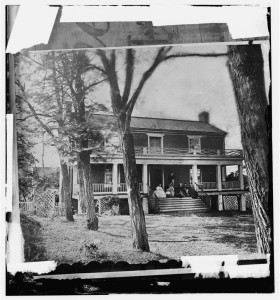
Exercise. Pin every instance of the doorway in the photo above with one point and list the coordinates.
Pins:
(155, 177)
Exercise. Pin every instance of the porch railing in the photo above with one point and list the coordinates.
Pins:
(108, 187)
(205, 197)
(188, 152)
(209, 185)
(122, 187)
(26, 206)
(230, 184)
(102, 187)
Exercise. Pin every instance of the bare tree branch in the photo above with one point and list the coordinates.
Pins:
(36, 116)
(32, 116)
(93, 67)
(129, 74)
(109, 66)
(146, 75)
(94, 84)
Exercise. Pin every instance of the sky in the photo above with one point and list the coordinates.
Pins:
(179, 89)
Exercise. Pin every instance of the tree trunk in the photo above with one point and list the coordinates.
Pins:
(66, 191)
(83, 200)
(138, 223)
(84, 160)
(246, 70)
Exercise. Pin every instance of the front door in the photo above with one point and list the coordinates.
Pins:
(155, 177)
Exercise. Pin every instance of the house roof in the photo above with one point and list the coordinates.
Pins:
(162, 125)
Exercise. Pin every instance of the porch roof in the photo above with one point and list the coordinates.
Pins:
(161, 125)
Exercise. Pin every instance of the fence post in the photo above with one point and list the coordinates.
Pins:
(99, 207)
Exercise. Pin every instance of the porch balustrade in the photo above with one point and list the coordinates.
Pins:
(226, 185)
(102, 187)
(188, 152)
(26, 206)
(209, 185)
(122, 187)
(230, 184)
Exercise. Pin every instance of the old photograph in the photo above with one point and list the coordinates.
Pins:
(137, 154)
(139, 151)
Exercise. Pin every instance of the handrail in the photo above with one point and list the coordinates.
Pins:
(156, 206)
(154, 151)
(207, 196)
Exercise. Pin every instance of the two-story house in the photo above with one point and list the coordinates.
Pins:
(194, 151)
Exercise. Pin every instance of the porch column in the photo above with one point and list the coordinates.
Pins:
(194, 176)
(220, 202)
(219, 178)
(242, 202)
(115, 178)
(241, 179)
(145, 178)
(219, 186)
(79, 206)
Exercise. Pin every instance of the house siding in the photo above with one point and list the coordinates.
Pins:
(208, 173)
(140, 139)
(179, 141)
(212, 143)
(175, 141)
(98, 173)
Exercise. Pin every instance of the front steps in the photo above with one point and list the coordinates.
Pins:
(186, 204)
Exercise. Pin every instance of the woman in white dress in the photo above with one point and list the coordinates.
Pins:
(159, 192)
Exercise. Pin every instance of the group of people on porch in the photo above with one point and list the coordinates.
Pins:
(180, 191)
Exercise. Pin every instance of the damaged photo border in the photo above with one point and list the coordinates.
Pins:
(222, 273)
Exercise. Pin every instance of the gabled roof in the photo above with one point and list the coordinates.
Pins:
(162, 125)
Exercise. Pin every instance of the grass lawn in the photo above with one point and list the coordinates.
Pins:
(170, 237)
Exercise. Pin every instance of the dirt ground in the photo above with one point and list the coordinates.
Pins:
(170, 237)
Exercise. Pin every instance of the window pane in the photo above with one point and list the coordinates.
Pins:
(194, 144)
(155, 142)
(108, 176)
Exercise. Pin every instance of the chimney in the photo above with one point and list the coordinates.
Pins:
(204, 117)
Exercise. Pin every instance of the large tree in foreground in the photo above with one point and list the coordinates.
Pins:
(61, 102)
(122, 106)
(76, 73)
(246, 68)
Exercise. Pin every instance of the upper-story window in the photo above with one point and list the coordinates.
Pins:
(108, 176)
(155, 143)
(194, 143)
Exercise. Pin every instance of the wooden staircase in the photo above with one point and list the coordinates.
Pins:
(187, 204)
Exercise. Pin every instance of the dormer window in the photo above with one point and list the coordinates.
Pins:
(194, 143)
(155, 143)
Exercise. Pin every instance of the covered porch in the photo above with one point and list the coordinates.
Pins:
(110, 179)
(202, 177)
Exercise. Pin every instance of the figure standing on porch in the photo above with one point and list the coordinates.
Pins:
(171, 189)
(171, 179)
(186, 189)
